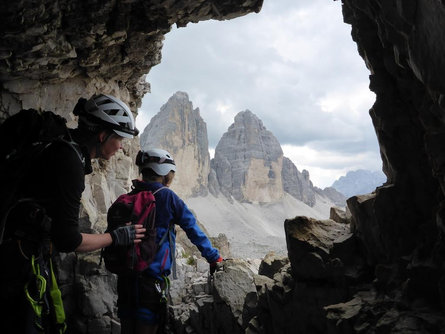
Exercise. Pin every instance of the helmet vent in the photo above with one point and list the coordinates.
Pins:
(113, 112)
(103, 101)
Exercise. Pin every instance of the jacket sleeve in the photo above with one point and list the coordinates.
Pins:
(187, 222)
(67, 187)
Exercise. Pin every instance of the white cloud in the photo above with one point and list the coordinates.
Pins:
(326, 166)
(294, 65)
(212, 153)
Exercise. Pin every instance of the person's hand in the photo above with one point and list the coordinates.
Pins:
(215, 265)
(127, 235)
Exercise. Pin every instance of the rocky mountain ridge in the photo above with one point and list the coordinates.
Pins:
(180, 129)
(248, 165)
(359, 182)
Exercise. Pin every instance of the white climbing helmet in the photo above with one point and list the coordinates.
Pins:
(110, 112)
(160, 161)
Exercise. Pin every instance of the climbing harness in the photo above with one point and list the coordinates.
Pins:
(38, 302)
(44, 296)
(163, 292)
(56, 297)
(41, 282)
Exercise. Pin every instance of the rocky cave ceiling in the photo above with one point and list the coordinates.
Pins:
(50, 42)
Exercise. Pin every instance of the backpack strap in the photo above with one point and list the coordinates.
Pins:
(169, 226)
(166, 235)
(155, 192)
(75, 146)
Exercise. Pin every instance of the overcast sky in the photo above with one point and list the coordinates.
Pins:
(294, 65)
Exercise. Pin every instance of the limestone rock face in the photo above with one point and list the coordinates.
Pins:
(249, 166)
(248, 161)
(223, 303)
(179, 129)
(309, 244)
(335, 196)
(297, 184)
(401, 225)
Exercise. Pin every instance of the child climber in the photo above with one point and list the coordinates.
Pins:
(141, 297)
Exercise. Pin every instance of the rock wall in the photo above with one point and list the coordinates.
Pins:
(297, 184)
(402, 224)
(324, 285)
(179, 129)
(248, 161)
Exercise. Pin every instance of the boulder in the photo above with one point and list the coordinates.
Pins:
(309, 243)
(339, 215)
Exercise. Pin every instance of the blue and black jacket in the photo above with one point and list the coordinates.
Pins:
(170, 209)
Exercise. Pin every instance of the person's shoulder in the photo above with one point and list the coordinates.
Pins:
(167, 192)
(66, 152)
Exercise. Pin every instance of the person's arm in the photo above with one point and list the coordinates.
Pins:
(187, 222)
(122, 236)
(92, 242)
(67, 184)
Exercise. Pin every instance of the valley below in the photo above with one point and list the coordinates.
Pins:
(253, 229)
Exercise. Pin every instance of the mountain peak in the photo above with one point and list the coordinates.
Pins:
(248, 118)
(248, 165)
(359, 181)
(180, 96)
(248, 161)
(179, 129)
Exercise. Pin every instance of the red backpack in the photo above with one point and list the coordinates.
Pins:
(135, 208)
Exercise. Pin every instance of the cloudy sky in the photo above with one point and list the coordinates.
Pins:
(294, 65)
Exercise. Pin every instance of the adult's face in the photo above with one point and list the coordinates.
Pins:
(110, 144)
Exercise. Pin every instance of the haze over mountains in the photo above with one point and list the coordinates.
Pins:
(248, 189)
(359, 182)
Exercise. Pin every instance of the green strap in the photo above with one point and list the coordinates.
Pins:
(164, 292)
(36, 302)
(56, 297)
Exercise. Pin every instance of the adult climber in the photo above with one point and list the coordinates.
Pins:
(55, 185)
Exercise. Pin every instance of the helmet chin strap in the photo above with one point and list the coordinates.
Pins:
(99, 144)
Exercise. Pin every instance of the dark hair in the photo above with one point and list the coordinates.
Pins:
(86, 132)
(79, 108)
(85, 126)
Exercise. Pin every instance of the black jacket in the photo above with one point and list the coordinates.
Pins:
(57, 182)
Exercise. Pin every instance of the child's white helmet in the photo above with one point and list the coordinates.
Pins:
(159, 160)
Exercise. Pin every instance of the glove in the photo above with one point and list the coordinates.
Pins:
(214, 265)
(123, 236)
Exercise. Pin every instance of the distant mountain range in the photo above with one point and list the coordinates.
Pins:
(359, 182)
(248, 189)
(248, 165)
